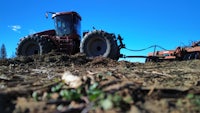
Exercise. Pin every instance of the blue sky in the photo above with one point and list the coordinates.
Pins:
(142, 23)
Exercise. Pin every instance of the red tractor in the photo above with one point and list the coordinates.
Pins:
(66, 38)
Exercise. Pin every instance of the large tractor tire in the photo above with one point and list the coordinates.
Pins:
(34, 45)
(100, 43)
(46, 45)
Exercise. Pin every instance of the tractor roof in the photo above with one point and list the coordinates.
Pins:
(66, 13)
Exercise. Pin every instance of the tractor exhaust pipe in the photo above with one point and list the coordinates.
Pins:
(47, 14)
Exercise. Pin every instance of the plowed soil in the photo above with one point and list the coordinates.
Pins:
(28, 85)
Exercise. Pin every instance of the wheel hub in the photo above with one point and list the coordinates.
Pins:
(97, 46)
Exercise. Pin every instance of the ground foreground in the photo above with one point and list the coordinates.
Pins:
(63, 84)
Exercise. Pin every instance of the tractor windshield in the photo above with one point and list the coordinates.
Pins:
(67, 24)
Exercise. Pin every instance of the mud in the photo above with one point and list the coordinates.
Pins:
(164, 87)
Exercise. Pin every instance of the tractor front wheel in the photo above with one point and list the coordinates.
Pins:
(100, 43)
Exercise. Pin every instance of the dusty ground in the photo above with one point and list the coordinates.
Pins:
(35, 85)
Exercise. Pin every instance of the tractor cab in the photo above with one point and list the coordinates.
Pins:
(67, 23)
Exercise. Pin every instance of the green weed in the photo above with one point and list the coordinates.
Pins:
(191, 102)
(93, 93)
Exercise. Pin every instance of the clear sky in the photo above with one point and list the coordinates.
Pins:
(142, 23)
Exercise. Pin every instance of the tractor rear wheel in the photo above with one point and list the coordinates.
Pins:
(34, 45)
(100, 43)
(29, 46)
(46, 45)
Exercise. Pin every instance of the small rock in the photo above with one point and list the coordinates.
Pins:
(134, 109)
(71, 80)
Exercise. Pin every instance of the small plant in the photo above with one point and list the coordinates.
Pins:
(57, 87)
(35, 96)
(110, 101)
(93, 93)
(71, 94)
(191, 101)
(195, 100)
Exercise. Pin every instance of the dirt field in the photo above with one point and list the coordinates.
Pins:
(62, 84)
